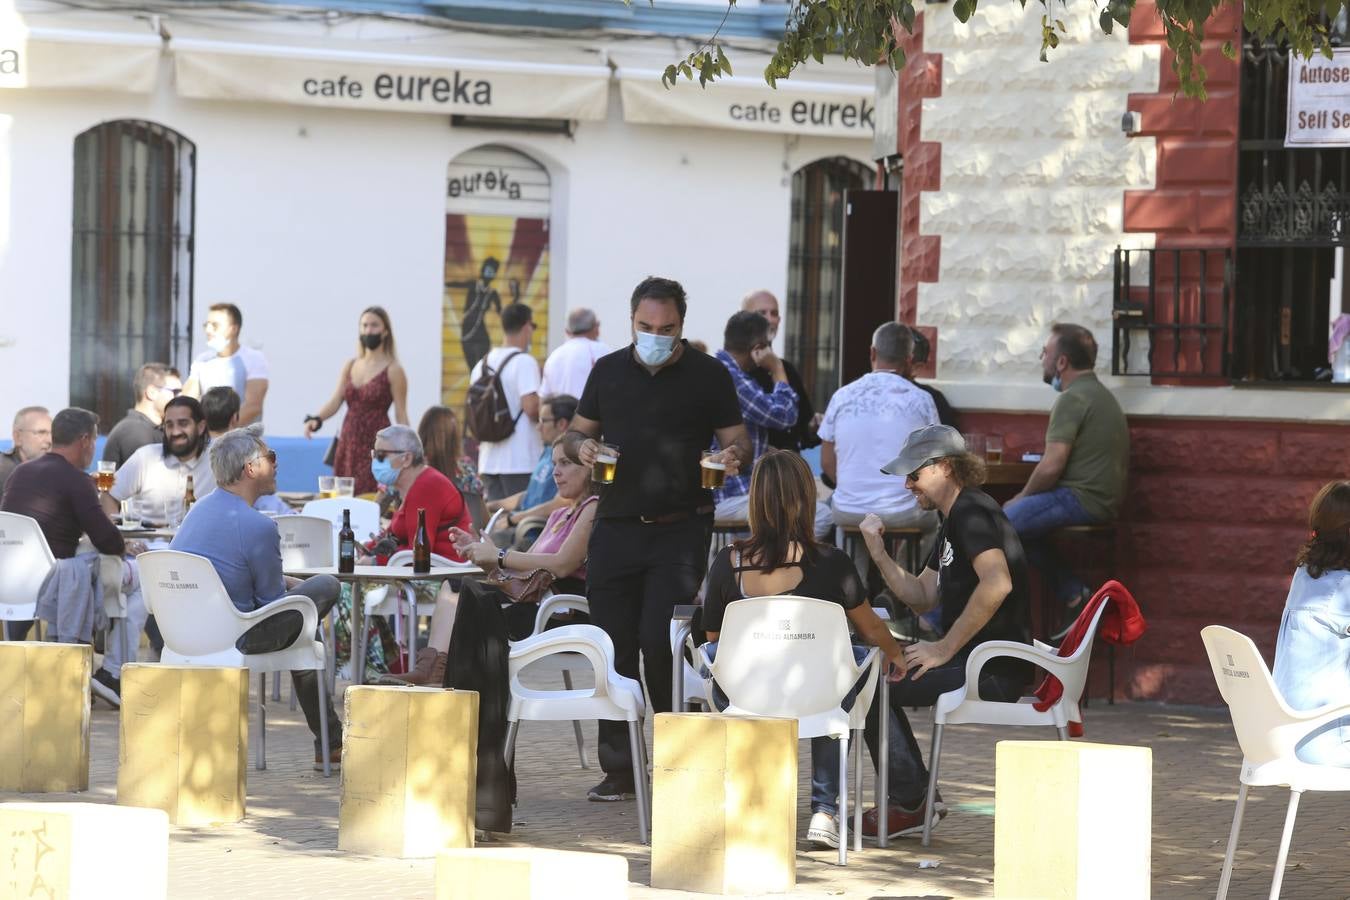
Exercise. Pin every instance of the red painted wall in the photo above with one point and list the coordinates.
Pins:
(1216, 513)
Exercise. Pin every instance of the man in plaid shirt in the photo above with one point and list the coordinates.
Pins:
(745, 348)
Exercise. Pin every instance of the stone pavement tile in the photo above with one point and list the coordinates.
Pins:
(286, 847)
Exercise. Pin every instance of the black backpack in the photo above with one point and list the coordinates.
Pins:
(487, 414)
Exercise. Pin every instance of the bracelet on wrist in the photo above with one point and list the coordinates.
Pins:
(318, 422)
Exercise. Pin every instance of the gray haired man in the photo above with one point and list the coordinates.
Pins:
(568, 367)
(244, 546)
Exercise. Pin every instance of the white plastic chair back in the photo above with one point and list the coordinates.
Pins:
(306, 542)
(405, 558)
(365, 517)
(612, 697)
(784, 656)
(1268, 730)
(553, 604)
(195, 615)
(25, 560)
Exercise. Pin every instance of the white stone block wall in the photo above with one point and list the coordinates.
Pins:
(1034, 170)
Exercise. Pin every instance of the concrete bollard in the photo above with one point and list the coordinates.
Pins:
(44, 692)
(724, 799)
(1072, 820)
(183, 747)
(409, 764)
(528, 873)
(82, 851)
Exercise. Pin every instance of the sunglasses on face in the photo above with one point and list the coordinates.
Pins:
(914, 476)
(270, 456)
(381, 455)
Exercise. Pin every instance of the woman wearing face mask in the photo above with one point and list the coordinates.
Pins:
(369, 383)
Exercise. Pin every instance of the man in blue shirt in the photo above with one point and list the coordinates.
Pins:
(745, 350)
(532, 506)
(244, 546)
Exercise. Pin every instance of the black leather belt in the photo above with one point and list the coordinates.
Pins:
(673, 517)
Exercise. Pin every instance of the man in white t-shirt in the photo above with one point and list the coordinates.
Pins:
(864, 428)
(505, 466)
(568, 367)
(157, 473)
(228, 364)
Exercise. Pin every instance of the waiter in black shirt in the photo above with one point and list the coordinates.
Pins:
(802, 435)
(661, 404)
(978, 574)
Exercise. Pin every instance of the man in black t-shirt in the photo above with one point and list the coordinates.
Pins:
(661, 403)
(978, 573)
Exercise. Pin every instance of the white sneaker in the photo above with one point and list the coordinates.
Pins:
(823, 830)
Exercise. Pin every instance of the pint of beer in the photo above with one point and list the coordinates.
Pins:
(105, 476)
(993, 449)
(606, 462)
(712, 472)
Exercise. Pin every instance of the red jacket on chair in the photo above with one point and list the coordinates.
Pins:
(1122, 623)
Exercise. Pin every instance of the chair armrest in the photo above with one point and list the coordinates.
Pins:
(1315, 718)
(1042, 645)
(587, 640)
(301, 604)
(1058, 666)
(556, 603)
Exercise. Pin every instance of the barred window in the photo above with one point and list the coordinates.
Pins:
(131, 260)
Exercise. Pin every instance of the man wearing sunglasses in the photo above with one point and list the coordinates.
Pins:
(978, 573)
(244, 547)
(154, 386)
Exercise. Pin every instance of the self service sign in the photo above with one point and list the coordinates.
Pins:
(1319, 101)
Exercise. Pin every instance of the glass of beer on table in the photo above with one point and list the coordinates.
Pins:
(606, 462)
(993, 449)
(327, 487)
(107, 470)
(712, 470)
(345, 486)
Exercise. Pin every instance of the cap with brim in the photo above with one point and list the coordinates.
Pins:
(929, 442)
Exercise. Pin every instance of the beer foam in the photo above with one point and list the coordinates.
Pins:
(710, 464)
(607, 460)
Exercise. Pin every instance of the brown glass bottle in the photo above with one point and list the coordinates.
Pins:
(189, 497)
(421, 546)
(346, 545)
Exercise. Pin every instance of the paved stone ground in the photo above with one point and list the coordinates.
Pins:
(287, 845)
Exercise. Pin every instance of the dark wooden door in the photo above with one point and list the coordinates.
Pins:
(871, 233)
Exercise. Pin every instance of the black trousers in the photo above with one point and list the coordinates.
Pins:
(636, 575)
(280, 632)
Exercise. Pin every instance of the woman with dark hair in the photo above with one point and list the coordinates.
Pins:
(443, 445)
(1312, 655)
(369, 383)
(782, 556)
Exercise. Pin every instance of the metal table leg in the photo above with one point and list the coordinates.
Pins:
(358, 641)
(677, 666)
(883, 759)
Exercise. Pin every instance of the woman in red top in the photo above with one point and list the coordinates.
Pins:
(397, 462)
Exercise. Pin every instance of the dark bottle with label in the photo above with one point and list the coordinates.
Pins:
(421, 546)
(346, 545)
(189, 496)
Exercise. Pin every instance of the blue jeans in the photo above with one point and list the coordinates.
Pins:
(1035, 517)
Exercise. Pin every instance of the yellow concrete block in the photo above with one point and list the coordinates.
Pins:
(528, 873)
(183, 746)
(409, 764)
(724, 799)
(82, 851)
(1072, 820)
(44, 708)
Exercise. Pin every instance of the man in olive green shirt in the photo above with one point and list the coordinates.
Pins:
(1082, 475)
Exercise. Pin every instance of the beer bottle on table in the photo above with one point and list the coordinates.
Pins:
(421, 546)
(346, 545)
(189, 497)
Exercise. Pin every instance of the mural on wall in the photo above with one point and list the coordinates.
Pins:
(496, 254)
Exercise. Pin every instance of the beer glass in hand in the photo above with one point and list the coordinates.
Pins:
(606, 462)
(107, 470)
(712, 470)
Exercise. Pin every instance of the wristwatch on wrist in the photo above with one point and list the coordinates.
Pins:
(501, 557)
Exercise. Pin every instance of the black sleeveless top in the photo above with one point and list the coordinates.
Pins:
(830, 575)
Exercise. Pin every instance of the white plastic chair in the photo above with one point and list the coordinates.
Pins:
(1268, 732)
(693, 690)
(306, 543)
(957, 707)
(365, 517)
(25, 560)
(549, 607)
(805, 678)
(200, 626)
(382, 600)
(614, 697)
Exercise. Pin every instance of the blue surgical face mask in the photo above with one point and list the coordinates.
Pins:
(384, 471)
(1057, 383)
(654, 349)
(218, 343)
